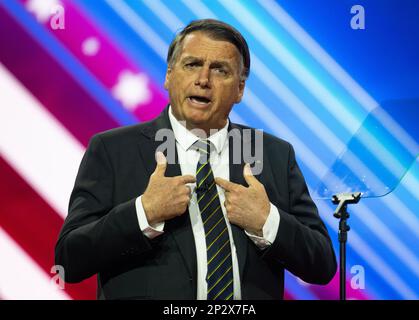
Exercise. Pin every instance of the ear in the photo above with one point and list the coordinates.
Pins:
(242, 85)
(167, 78)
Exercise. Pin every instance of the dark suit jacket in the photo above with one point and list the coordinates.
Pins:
(101, 233)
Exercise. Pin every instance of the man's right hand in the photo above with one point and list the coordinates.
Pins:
(165, 197)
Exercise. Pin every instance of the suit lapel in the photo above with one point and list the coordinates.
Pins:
(180, 228)
(241, 240)
(236, 176)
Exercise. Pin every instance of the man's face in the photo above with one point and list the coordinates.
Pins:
(204, 82)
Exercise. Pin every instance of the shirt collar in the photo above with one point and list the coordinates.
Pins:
(186, 138)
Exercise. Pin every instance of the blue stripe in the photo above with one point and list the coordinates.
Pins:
(70, 64)
(133, 46)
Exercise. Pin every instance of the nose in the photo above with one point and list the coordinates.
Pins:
(203, 77)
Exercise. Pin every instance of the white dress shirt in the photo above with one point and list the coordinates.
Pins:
(188, 159)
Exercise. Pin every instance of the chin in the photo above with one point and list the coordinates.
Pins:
(198, 122)
(197, 117)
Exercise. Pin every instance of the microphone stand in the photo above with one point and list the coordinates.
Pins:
(342, 200)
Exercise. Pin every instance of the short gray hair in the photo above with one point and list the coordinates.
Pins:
(216, 30)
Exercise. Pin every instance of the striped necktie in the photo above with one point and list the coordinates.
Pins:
(220, 270)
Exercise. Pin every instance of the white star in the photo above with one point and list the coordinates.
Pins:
(42, 9)
(90, 46)
(132, 89)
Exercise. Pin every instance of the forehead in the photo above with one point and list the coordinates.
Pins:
(200, 45)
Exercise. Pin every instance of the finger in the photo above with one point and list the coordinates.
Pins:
(161, 164)
(248, 176)
(189, 191)
(187, 179)
(188, 188)
(225, 184)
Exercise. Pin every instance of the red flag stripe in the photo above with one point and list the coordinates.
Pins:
(34, 225)
(21, 278)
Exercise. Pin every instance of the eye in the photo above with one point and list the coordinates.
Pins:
(191, 65)
(220, 70)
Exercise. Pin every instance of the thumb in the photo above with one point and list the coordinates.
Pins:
(161, 164)
(248, 175)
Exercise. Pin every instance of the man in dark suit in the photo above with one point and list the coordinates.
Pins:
(194, 221)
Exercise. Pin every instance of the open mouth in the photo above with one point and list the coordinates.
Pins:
(199, 100)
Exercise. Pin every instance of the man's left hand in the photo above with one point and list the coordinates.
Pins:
(247, 207)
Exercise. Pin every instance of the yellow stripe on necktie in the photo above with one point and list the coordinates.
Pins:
(206, 191)
(200, 168)
(213, 198)
(219, 250)
(219, 265)
(202, 181)
(213, 227)
(209, 247)
(215, 284)
(223, 289)
(219, 206)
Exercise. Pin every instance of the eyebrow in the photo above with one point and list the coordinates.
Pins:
(222, 63)
(190, 58)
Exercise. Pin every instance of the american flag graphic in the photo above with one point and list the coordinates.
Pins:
(70, 69)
